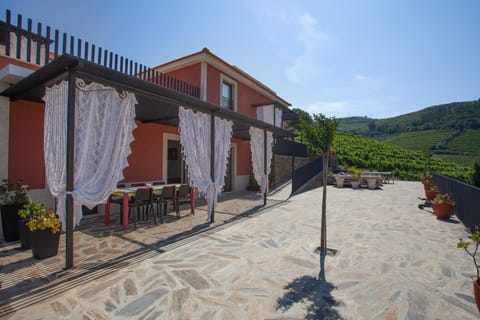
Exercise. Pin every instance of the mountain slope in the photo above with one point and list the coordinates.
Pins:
(452, 116)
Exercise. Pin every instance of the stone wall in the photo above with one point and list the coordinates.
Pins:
(281, 171)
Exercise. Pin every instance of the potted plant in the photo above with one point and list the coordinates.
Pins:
(356, 177)
(426, 179)
(45, 233)
(475, 240)
(443, 205)
(29, 211)
(12, 198)
(431, 191)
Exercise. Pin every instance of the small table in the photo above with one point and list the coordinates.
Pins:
(130, 192)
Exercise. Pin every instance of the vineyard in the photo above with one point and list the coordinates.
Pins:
(377, 156)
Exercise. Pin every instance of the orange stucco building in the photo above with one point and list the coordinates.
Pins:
(156, 151)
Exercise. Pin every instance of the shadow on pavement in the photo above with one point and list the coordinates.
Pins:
(316, 294)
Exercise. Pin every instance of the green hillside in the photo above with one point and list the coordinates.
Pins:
(417, 140)
(452, 116)
(377, 156)
(451, 131)
(468, 141)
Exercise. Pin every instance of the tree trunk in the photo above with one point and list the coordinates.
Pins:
(323, 232)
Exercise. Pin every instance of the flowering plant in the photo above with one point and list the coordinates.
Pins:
(475, 240)
(31, 210)
(18, 196)
(443, 199)
(42, 219)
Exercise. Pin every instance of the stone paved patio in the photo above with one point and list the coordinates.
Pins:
(394, 262)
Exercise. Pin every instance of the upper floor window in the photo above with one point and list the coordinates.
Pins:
(227, 95)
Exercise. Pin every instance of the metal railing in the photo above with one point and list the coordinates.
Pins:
(303, 174)
(289, 148)
(467, 199)
(39, 47)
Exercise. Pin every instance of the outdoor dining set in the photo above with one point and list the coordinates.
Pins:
(139, 200)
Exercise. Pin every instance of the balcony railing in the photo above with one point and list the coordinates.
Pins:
(303, 174)
(289, 148)
(42, 46)
(467, 199)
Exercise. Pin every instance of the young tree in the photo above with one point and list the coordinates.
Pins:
(320, 134)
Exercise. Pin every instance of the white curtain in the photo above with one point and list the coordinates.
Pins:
(104, 121)
(278, 117)
(257, 140)
(265, 113)
(196, 145)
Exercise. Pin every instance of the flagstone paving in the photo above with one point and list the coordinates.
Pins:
(394, 261)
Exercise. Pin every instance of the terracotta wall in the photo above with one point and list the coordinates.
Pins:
(244, 163)
(213, 85)
(25, 153)
(146, 160)
(5, 61)
(190, 74)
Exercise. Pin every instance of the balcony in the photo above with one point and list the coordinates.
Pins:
(41, 46)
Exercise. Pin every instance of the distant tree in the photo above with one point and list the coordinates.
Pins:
(476, 174)
(371, 126)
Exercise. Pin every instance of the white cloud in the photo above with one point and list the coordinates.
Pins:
(361, 77)
(305, 65)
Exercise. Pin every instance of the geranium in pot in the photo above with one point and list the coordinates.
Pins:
(475, 240)
(12, 198)
(29, 211)
(45, 233)
(431, 191)
(443, 205)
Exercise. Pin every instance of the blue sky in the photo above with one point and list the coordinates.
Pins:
(376, 58)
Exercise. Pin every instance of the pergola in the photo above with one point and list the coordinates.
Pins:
(156, 104)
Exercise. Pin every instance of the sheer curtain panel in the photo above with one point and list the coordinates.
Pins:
(195, 138)
(104, 121)
(257, 139)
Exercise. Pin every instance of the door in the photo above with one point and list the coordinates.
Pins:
(174, 162)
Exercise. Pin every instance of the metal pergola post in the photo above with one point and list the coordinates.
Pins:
(70, 168)
(265, 165)
(212, 160)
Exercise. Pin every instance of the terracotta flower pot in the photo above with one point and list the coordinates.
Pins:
(443, 210)
(429, 194)
(476, 292)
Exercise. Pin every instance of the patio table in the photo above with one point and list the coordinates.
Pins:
(130, 192)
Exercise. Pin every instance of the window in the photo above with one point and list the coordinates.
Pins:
(227, 95)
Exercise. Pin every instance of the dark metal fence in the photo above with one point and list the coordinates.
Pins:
(289, 148)
(467, 199)
(42, 46)
(306, 172)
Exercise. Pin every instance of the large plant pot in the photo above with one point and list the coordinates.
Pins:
(371, 183)
(443, 210)
(44, 243)
(476, 292)
(355, 184)
(429, 194)
(24, 234)
(10, 222)
(339, 181)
